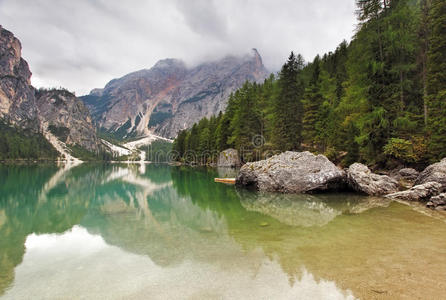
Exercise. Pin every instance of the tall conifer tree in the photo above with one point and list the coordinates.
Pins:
(288, 105)
(436, 80)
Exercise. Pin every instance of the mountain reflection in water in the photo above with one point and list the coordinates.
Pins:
(95, 231)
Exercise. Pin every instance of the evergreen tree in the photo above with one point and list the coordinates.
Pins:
(246, 122)
(288, 106)
(436, 80)
(312, 101)
(423, 36)
(368, 101)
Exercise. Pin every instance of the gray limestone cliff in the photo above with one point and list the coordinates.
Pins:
(17, 101)
(67, 117)
(51, 112)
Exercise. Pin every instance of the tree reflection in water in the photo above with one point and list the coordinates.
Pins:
(178, 216)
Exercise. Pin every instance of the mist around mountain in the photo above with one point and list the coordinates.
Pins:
(379, 99)
(170, 96)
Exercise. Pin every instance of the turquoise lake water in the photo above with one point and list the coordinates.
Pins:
(158, 232)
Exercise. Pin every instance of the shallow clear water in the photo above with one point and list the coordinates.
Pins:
(159, 232)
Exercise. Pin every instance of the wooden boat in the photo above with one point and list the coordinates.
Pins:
(225, 180)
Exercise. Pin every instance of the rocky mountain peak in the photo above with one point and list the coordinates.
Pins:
(169, 63)
(17, 102)
(40, 111)
(169, 96)
(67, 118)
(257, 57)
(11, 61)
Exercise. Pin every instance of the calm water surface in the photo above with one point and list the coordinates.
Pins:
(159, 232)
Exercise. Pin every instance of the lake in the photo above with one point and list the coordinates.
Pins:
(98, 231)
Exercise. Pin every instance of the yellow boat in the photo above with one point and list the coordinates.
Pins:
(225, 180)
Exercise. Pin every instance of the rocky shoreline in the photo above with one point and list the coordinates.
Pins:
(304, 172)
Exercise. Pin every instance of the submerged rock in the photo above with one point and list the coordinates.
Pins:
(421, 192)
(434, 173)
(229, 158)
(294, 210)
(307, 210)
(292, 172)
(437, 202)
(361, 179)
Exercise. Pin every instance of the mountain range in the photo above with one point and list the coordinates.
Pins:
(161, 100)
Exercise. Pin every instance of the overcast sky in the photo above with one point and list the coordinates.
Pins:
(82, 44)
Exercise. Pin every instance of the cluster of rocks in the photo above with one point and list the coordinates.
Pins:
(361, 179)
(304, 172)
(429, 187)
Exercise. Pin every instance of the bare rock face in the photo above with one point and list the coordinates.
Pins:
(23, 106)
(421, 192)
(66, 117)
(437, 202)
(17, 101)
(435, 172)
(170, 97)
(408, 174)
(292, 172)
(361, 179)
(229, 158)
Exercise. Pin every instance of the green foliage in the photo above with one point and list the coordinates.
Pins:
(382, 97)
(436, 81)
(158, 118)
(400, 149)
(159, 151)
(60, 132)
(82, 153)
(16, 143)
(288, 108)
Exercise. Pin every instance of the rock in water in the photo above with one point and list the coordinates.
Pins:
(421, 192)
(229, 158)
(292, 172)
(434, 173)
(438, 202)
(361, 179)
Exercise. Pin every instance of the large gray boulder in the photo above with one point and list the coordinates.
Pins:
(361, 179)
(292, 172)
(435, 173)
(421, 192)
(438, 202)
(229, 158)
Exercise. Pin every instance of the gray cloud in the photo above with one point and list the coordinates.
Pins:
(83, 44)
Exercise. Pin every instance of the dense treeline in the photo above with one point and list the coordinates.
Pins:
(381, 99)
(25, 144)
(17, 143)
(158, 151)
